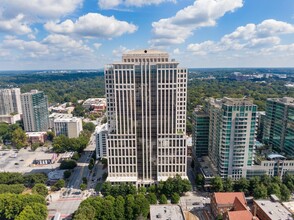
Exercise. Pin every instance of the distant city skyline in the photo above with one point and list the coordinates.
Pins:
(87, 34)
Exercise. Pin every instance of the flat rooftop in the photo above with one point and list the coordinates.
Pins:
(166, 212)
(73, 119)
(284, 100)
(207, 168)
(274, 210)
(289, 206)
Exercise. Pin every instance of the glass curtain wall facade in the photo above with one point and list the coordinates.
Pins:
(200, 135)
(279, 125)
(232, 134)
(35, 111)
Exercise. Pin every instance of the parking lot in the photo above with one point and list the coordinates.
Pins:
(22, 160)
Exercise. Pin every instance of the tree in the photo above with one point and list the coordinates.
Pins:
(104, 162)
(142, 206)
(68, 164)
(266, 180)
(277, 180)
(142, 190)
(66, 174)
(199, 180)
(217, 184)
(75, 156)
(11, 188)
(107, 211)
(274, 188)
(83, 186)
(40, 189)
(19, 138)
(50, 135)
(241, 185)
(119, 208)
(31, 179)
(27, 213)
(228, 185)
(79, 111)
(58, 185)
(84, 179)
(104, 120)
(285, 193)
(260, 192)
(129, 206)
(175, 198)
(12, 206)
(151, 189)
(34, 146)
(106, 189)
(253, 183)
(89, 126)
(151, 198)
(85, 212)
(162, 199)
(91, 164)
(288, 180)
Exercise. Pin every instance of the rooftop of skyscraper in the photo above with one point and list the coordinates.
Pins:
(284, 100)
(231, 101)
(145, 55)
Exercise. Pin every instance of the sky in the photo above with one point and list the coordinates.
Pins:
(88, 34)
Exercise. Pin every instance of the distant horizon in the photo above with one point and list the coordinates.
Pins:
(99, 69)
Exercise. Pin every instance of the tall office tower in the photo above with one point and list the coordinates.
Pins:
(231, 135)
(200, 133)
(146, 105)
(279, 125)
(35, 111)
(10, 101)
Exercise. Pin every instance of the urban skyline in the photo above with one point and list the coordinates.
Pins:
(83, 34)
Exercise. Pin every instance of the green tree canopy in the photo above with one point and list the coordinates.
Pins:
(19, 138)
(162, 199)
(217, 184)
(40, 189)
(260, 192)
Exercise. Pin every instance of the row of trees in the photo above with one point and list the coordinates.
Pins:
(258, 187)
(167, 188)
(22, 207)
(129, 207)
(124, 201)
(16, 183)
(62, 143)
(29, 180)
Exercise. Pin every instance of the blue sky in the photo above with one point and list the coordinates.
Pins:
(87, 34)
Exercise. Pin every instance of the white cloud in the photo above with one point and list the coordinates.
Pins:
(93, 25)
(97, 45)
(251, 36)
(119, 51)
(65, 45)
(271, 27)
(40, 9)
(15, 25)
(203, 13)
(109, 4)
(177, 51)
(30, 48)
(16, 16)
(53, 47)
